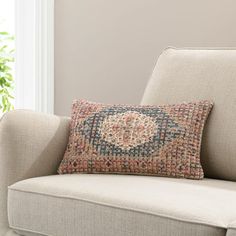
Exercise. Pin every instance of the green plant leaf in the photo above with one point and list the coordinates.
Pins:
(4, 33)
(6, 77)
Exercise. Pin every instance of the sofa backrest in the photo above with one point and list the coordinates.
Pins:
(196, 74)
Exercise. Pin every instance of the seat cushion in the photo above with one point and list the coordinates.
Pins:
(208, 74)
(86, 205)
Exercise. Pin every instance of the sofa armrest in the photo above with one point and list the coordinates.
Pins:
(31, 144)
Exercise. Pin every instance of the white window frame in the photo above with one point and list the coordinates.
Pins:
(34, 64)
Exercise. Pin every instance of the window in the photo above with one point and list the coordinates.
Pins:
(34, 54)
(27, 30)
(7, 55)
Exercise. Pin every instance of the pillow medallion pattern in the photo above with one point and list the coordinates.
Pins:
(160, 140)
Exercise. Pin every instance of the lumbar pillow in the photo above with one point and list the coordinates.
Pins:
(160, 140)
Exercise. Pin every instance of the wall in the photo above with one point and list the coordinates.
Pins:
(105, 50)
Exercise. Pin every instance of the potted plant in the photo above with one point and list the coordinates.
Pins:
(6, 77)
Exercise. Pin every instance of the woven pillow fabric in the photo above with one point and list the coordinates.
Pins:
(145, 140)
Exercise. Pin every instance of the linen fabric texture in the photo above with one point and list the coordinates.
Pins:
(121, 205)
(31, 144)
(190, 74)
(147, 140)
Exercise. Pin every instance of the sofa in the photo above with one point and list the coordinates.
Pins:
(35, 201)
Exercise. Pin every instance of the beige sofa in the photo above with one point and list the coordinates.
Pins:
(39, 202)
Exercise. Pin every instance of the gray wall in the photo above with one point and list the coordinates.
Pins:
(105, 50)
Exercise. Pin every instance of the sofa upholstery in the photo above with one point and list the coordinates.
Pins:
(32, 145)
(61, 205)
(191, 74)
